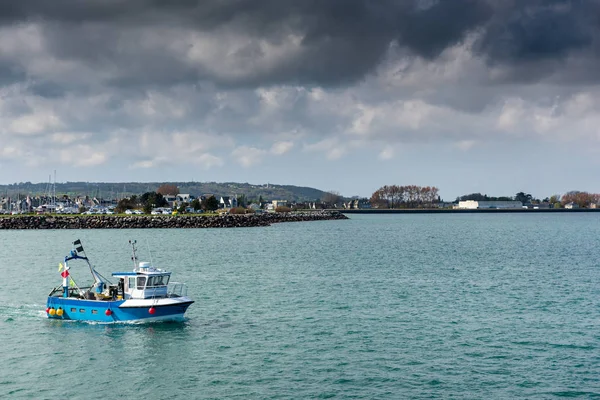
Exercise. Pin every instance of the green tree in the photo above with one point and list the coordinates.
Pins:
(127, 204)
(210, 204)
(182, 207)
(122, 206)
(523, 197)
(196, 204)
(154, 199)
(242, 201)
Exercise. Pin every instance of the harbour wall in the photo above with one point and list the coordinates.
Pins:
(167, 221)
(468, 211)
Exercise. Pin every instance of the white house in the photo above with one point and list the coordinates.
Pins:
(279, 203)
(228, 202)
(184, 198)
(171, 199)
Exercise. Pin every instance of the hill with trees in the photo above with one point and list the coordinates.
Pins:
(108, 190)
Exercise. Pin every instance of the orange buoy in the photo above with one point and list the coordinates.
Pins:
(108, 312)
(52, 311)
(47, 310)
(59, 312)
(151, 310)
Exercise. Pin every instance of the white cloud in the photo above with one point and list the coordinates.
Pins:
(511, 114)
(333, 148)
(70, 137)
(82, 156)
(180, 147)
(232, 56)
(248, 156)
(10, 152)
(208, 161)
(35, 123)
(147, 163)
(281, 148)
(465, 144)
(387, 153)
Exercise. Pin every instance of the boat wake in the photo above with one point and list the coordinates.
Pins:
(11, 312)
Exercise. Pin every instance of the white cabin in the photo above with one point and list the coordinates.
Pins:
(144, 282)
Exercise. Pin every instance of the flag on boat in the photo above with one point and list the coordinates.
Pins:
(79, 247)
(71, 282)
(60, 267)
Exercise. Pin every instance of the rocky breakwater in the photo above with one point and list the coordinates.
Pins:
(183, 221)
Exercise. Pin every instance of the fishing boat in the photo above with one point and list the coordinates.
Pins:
(144, 294)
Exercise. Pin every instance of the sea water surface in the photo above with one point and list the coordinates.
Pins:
(474, 306)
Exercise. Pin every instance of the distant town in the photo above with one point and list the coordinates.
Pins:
(168, 198)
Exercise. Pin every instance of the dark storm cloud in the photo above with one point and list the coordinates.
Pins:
(47, 89)
(540, 30)
(10, 72)
(342, 40)
(428, 32)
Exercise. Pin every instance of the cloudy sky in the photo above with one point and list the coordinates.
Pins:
(490, 96)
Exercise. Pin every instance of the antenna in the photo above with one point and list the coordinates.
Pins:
(134, 256)
(149, 252)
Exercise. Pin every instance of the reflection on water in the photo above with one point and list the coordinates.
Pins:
(429, 306)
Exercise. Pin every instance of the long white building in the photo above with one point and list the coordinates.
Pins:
(474, 204)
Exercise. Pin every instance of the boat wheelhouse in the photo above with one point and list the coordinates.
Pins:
(142, 295)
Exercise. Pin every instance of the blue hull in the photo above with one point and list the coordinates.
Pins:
(96, 311)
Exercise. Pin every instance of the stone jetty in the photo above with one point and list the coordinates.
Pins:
(160, 221)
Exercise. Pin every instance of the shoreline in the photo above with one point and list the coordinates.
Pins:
(468, 211)
(152, 221)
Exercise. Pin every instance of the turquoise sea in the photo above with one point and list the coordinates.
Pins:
(473, 306)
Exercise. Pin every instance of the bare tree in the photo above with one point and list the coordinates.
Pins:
(167, 188)
(582, 199)
(331, 197)
(394, 196)
(377, 200)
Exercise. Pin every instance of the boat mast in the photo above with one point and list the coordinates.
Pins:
(54, 193)
(79, 249)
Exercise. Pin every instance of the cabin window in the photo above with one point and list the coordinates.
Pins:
(159, 280)
(73, 309)
(141, 282)
(82, 310)
(94, 311)
(131, 285)
(164, 280)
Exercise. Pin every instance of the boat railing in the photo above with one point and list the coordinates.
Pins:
(177, 289)
(73, 291)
